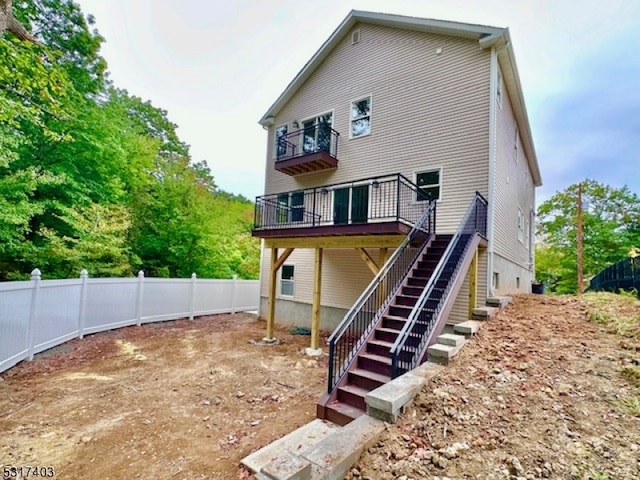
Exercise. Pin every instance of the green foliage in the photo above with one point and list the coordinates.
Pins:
(611, 228)
(91, 177)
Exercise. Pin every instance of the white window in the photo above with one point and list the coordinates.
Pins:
(360, 117)
(499, 88)
(429, 185)
(280, 143)
(286, 281)
(520, 226)
(527, 232)
(317, 134)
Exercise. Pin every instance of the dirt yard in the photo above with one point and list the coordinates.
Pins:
(548, 389)
(173, 400)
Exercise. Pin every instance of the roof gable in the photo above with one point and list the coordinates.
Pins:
(487, 37)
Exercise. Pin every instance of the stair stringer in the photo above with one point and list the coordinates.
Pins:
(441, 320)
(330, 397)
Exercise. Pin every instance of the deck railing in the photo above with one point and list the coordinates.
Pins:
(308, 140)
(376, 199)
(350, 335)
(408, 348)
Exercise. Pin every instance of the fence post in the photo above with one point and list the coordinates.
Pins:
(140, 297)
(84, 275)
(234, 288)
(193, 296)
(33, 312)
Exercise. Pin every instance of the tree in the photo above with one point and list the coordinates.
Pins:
(611, 228)
(9, 23)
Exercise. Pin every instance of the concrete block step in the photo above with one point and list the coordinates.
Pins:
(295, 442)
(336, 453)
(288, 466)
(451, 339)
(499, 302)
(468, 328)
(442, 353)
(484, 313)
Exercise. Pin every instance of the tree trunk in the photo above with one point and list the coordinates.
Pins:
(9, 23)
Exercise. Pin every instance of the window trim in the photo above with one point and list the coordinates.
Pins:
(275, 138)
(440, 171)
(293, 281)
(499, 89)
(520, 225)
(306, 119)
(351, 120)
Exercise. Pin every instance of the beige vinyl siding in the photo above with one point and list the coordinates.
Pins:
(344, 275)
(513, 189)
(428, 111)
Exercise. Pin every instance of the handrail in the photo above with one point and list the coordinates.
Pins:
(388, 198)
(349, 335)
(465, 225)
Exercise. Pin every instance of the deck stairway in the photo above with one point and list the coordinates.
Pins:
(370, 348)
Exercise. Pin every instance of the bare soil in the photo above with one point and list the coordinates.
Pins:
(174, 400)
(550, 388)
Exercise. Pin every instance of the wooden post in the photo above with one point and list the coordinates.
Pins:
(579, 239)
(383, 255)
(315, 314)
(366, 258)
(271, 310)
(473, 283)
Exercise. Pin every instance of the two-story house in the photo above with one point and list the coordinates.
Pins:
(400, 189)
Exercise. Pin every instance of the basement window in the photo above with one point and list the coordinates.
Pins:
(286, 280)
(495, 281)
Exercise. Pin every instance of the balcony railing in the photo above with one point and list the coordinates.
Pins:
(390, 198)
(311, 149)
(312, 139)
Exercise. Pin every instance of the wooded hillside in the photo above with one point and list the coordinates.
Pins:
(93, 177)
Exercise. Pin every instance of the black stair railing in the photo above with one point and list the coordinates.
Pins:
(350, 335)
(411, 342)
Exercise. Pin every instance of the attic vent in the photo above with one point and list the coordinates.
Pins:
(355, 37)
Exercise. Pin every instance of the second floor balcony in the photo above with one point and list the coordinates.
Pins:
(388, 204)
(310, 149)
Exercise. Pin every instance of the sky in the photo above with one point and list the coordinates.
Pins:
(217, 66)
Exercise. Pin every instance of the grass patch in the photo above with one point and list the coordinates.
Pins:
(632, 375)
(617, 313)
(631, 405)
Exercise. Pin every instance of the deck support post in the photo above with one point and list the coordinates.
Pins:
(273, 277)
(473, 283)
(315, 313)
(383, 255)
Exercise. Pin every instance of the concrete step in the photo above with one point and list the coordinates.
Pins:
(295, 442)
(442, 354)
(499, 302)
(484, 313)
(451, 339)
(468, 328)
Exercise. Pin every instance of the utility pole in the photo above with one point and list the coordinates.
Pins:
(579, 238)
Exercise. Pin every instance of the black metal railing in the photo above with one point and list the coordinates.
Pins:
(351, 334)
(412, 340)
(376, 199)
(622, 275)
(310, 139)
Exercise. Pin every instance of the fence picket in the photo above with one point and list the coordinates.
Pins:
(40, 314)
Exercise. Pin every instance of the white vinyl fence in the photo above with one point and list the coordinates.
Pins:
(39, 314)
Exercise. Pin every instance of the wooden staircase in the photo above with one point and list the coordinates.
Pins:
(371, 368)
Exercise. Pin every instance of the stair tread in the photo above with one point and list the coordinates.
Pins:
(395, 317)
(378, 358)
(345, 409)
(389, 330)
(370, 375)
(354, 389)
(382, 343)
